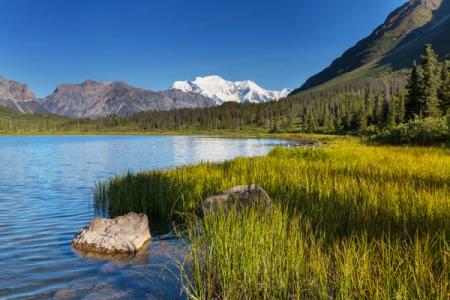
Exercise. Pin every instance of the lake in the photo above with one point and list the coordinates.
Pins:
(46, 196)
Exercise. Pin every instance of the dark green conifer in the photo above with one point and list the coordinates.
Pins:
(431, 82)
(444, 91)
(414, 100)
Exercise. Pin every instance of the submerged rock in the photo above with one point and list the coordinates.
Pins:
(107, 294)
(118, 258)
(241, 196)
(65, 294)
(124, 234)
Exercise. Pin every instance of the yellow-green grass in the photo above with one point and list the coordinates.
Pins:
(350, 221)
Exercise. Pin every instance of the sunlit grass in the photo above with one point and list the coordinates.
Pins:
(255, 254)
(350, 221)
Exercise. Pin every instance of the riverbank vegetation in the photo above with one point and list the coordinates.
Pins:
(350, 220)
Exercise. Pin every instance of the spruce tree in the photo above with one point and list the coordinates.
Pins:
(444, 91)
(361, 118)
(401, 107)
(414, 100)
(379, 106)
(431, 82)
(392, 112)
(370, 107)
(311, 122)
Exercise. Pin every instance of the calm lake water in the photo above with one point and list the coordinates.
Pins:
(46, 188)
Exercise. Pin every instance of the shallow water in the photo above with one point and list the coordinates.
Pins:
(46, 186)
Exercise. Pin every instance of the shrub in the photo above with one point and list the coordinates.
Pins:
(423, 131)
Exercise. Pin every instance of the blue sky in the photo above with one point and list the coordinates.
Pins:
(150, 44)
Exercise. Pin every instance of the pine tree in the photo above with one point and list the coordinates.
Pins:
(378, 113)
(444, 91)
(274, 127)
(362, 118)
(431, 82)
(414, 99)
(392, 112)
(311, 122)
(328, 120)
(369, 107)
(401, 107)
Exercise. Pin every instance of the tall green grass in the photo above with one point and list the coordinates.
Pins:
(266, 254)
(350, 221)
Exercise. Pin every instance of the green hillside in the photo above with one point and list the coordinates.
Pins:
(13, 121)
(391, 48)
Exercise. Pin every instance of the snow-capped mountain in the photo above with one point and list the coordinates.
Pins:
(221, 90)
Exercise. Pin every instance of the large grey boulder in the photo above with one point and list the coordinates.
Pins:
(241, 196)
(124, 234)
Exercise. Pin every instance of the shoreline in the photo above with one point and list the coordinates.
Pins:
(302, 139)
(207, 134)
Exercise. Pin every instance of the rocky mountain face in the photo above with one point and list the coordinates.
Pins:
(16, 95)
(393, 45)
(221, 90)
(92, 99)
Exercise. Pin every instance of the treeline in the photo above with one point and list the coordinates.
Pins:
(13, 121)
(352, 107)
(366, 106)
(342, 109)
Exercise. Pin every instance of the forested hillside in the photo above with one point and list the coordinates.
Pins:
(13, 121)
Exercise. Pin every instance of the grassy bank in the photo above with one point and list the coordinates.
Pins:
(350, 221)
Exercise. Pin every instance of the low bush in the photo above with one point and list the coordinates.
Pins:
(420, 131)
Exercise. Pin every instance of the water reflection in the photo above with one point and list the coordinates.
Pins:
(46, 197)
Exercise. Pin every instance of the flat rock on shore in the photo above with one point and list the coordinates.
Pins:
(124, 234)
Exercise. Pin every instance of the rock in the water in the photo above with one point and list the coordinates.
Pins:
(107, 294)
(124, 234)
(241, 196)
(65, 294)
(109, 268)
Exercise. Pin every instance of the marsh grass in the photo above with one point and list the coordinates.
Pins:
(350, 221)
(267, 254)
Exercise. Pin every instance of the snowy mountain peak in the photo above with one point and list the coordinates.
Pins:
(221, 90)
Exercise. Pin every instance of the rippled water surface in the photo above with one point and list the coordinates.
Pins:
(46, 186)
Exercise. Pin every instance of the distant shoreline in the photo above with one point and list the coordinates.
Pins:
(300, 138)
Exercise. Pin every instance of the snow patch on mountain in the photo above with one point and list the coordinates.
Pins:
(221, 90)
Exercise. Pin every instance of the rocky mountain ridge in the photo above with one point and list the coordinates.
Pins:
(92, 99)
(16, 95)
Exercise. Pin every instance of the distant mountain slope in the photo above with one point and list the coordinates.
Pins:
(16, 95)
(221, 90)
(13, 121)
(92, 99)
(393, 45)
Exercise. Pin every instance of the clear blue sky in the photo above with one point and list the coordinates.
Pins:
(150, 44)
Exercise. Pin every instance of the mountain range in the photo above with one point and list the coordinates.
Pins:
(93, 99)
(388, 50)
(221, 90)
(391, 47)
